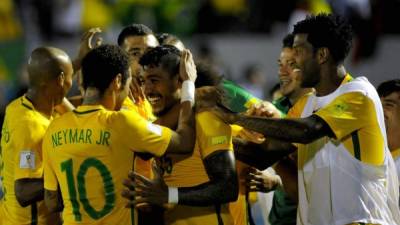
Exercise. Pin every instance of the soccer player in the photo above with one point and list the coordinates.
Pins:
(284, 207)
(344, 166)
(136, 39)
(389, 91)
(88, 152)
(201, 183)
(27, 118)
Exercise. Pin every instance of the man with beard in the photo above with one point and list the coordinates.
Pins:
(346, 173)
(87, 152)
(199, 184)
(284, 207)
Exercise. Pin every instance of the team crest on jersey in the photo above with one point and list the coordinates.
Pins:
(27, 160)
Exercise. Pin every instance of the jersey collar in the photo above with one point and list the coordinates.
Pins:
(25, 102)
(347, 79)
(84, 109)
(395, 153)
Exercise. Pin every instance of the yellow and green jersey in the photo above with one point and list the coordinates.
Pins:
(237, 98)
(88, 153)
(212, 134)
(21, 153)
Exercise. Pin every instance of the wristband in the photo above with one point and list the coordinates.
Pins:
(173, 195)
(187, 91)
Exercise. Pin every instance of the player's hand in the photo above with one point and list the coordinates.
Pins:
(252, 136)
(141, 190)
(135, 91)
(86, 41)
(86, 45)
(261, 181)
(264, 109)
(187, 68)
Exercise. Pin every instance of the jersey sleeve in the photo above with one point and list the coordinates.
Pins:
(212, 134)
(49, 176)
(141, 135)
(28, 156)
(347, 113)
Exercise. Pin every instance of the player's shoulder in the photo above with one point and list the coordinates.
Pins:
(24, 117)
(359, 85)
(206, 117)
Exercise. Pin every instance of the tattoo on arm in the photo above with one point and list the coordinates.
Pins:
(304, 130)
(223, 186)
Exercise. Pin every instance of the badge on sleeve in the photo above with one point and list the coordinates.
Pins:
(27, 160)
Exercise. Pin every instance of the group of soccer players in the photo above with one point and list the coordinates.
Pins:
(157, 138)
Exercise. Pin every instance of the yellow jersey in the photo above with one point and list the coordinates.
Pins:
(88, 153)
(21, 149)
(212, 134)
(144, 109)
(351, 116)
(239, 209)
(347, 177)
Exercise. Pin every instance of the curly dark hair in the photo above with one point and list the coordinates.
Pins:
(327, 30)
(388, 87)
(287, 41)
(102, 64)
(166, 56)
(135, 29)
(207, 75)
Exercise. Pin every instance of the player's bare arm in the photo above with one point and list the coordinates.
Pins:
(29, 190)
(53, 201)
(222, 187)
(304, 130)
(183, 139)
(264, 155)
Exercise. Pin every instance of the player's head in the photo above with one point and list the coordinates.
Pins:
(389, 92)
(161, 77)
(289, 76)
(207, 75)
(106, 69)
(170, 39)
(50, 70)
(135, 39)
(321, 40)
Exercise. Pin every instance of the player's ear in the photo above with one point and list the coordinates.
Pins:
(323, 55)
(61, 79)
(117, 82)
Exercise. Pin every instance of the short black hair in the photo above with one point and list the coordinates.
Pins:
(135, 29)
(388, 87)
(327, 30)
(287, 41)
(102, 64)
(166, 38)
(166, 56)
(207, 75)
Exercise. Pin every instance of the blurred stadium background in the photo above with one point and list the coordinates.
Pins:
(242, 38)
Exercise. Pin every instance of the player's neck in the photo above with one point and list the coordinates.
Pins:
(40, 101)
(298, 93)
(93, 97)
(331, 79)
